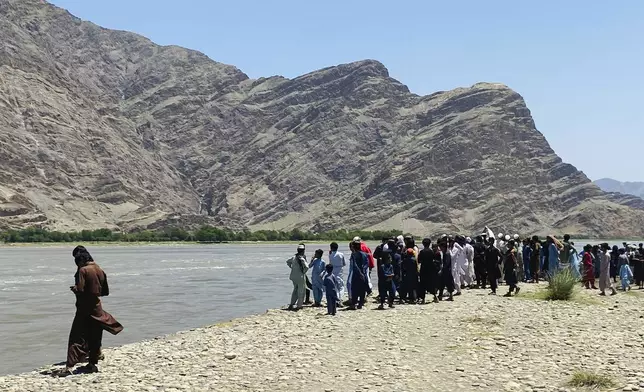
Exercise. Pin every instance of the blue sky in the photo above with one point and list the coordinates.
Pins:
(578, 64)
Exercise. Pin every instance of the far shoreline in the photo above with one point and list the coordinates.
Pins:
(153, 243)
(9, 245)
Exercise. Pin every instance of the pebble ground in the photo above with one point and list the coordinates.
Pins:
(476, 343)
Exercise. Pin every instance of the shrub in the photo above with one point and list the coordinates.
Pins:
(583, 379)
(561, 285)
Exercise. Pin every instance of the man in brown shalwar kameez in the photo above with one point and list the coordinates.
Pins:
(90, 319)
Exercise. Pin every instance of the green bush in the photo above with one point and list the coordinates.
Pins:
(202, 234)
(561, 286)
(584, 379)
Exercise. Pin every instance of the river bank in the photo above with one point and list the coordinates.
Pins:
(478, 342)
(579, 243)
(93, 244)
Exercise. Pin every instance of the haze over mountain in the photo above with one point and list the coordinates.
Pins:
(629, 187)
(103, 128)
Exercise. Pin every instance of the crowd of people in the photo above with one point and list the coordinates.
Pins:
(405, 274)
(440, 270)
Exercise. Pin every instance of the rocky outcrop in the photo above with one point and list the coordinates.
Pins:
(104, 128)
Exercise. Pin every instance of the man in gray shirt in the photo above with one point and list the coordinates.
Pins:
(298, 266)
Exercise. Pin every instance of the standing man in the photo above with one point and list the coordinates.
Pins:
(510, 269)
(459, 263)
(85, 338)
(638, 267)
(372, 263)
(359, 276)
(553, 255)
(604, 273)
(446, 276)
(518, 253)
(535, 258)
(410, 276)
(386, 286)
(479, 262)
(298, 267)
(469, 253)
(317, 267)
(396, 260)
(426, 262)
(526, 254)
(566, 250)
(378, 252)
(492, 263)
(336, 259)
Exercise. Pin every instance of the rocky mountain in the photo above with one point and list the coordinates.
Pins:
(627, 188)
(103, 128)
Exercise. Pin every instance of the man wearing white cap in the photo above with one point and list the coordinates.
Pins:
(500, 244)
(298, 267)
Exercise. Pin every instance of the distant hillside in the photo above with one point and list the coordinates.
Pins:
(628, 188)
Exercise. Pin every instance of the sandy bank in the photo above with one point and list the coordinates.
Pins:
(477, 343)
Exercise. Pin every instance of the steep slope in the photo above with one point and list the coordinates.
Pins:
(70, 158)
(104, 128)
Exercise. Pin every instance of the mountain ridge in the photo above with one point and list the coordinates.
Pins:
(635, 188)
(106, 128)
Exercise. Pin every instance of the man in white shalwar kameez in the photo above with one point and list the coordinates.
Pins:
(337, 260)
(459, 263)
(469, 252)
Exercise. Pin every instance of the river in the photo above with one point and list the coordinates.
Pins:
(155, 290)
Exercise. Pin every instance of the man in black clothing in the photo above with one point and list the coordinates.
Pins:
(492, 265)
(546, 259)
(378, 252)
(479, 263)
(426, 262)
(396, 261)
(386, 287)
(446, 277)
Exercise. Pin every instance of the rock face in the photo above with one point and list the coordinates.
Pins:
(104, 128)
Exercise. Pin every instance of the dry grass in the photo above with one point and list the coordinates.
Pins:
(561, 286)
(481, 320)
(584, 379)
(577, 296)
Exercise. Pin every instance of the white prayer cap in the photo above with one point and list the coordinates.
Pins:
(507, 237)
(301, 247)
(500, 235)
(356, 239)
(468, 240)
(516, 236)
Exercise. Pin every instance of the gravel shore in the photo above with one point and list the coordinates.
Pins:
(477, 343)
